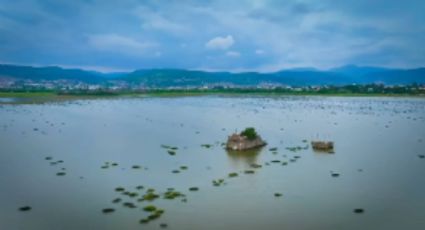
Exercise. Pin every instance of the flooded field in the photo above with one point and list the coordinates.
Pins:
(154, 163)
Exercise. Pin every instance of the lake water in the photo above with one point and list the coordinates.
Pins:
(379, 143)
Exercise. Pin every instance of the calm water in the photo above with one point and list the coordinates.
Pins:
(378, 143)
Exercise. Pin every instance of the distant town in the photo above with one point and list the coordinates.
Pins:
(114, 87)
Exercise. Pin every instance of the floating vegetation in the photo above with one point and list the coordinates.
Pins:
(25, 208)
(114, 164)
(108, 210)
(284, 163)
(421, 156)
(133, 194)
(233, 174)
(129, 205)
(278, 194)
(116, 200)
(175, 171)
(60, 174)
(155, 215)
(171, 194)
(334, 174)
(249, 171)
(255, 165)
(218, 182)
(48, 158)
(275, 161)
(163, 225)
(358, 210)
(135, 166)
(140, 187)
(183, 167)
(149, 208)
(193, 189)
(206, 146)
(296, 148)
(149, 196)
(119, 189)
(171, 152)
(274, 149)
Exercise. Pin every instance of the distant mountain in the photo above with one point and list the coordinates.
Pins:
(49, 73)
(178, 77)
(354, 70)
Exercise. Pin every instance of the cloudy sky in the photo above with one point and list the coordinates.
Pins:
(263, 35)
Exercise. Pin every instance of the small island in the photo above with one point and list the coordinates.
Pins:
(247, 139)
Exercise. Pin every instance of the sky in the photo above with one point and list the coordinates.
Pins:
(222, 35)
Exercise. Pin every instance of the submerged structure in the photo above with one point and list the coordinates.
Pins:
(323, 146)
(247, 139)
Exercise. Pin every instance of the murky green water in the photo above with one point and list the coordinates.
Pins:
(378, 144)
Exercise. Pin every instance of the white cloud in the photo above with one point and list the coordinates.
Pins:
(259, 52)
(220, 42)
(118, 43)
(233, 54)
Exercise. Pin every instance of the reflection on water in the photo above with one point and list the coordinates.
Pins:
(71, 161)
(247, 157)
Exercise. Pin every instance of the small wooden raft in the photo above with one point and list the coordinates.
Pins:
(323, 146)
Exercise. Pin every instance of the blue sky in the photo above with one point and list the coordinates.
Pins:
(264, 36)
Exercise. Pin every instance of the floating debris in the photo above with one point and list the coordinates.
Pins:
(163, 225)
(278, 194)
(274, 149)
(206, 146)
(60, 174)
(135, 166)
(421, 156)
(48, 158)
(175, 171)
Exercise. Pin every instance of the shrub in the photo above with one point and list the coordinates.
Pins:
(249, 133)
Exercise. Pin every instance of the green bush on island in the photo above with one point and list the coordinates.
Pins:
(249, 133)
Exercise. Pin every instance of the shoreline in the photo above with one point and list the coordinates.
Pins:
(46, 97)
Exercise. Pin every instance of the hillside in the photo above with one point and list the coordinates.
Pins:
(182, 78)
